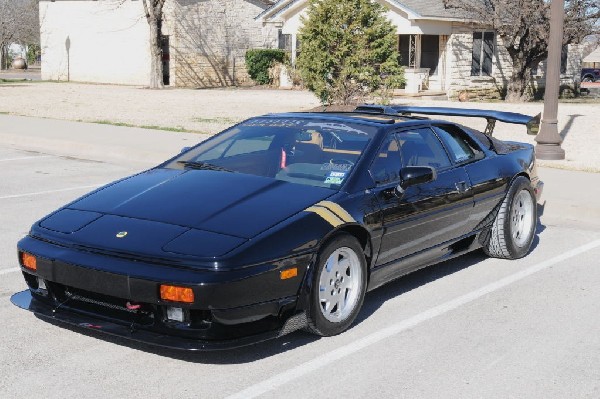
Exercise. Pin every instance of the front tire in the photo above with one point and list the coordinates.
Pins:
(338, 286)
(513, 229)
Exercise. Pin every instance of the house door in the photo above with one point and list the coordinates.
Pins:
(430, 53)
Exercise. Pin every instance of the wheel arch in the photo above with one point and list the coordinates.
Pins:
(355, 230)
(524, 174)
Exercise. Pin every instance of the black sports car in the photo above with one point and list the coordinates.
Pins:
(279, 223)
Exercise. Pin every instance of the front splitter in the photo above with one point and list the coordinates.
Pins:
(26, 301)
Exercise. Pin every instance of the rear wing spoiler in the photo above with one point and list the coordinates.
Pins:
(532, 123)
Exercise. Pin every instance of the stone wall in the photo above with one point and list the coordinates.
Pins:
(460, 59)
(209, 39)
(461, 83)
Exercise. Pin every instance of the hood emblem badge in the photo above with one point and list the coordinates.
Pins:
(121, 234)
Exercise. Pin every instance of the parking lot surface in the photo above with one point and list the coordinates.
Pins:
(472, 327)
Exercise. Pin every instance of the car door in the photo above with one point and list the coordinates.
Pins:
(487, 185)
(424, 215)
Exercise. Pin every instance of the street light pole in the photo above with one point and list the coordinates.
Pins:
(548, 140)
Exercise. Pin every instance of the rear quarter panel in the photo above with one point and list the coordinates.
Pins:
(491, 177)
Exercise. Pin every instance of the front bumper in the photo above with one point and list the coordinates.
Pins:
(121, 295)
(133, 332)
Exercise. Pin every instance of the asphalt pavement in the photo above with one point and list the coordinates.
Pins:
(470, 328)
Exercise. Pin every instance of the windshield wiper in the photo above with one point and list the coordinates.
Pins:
(203, 166)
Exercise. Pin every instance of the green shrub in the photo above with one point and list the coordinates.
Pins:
(258, 62)
(33, 52)
(349, 51)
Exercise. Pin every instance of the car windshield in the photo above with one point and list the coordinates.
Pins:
(299, 150)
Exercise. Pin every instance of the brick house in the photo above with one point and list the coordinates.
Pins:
(204, 43)
(107, 41)
(441, 51)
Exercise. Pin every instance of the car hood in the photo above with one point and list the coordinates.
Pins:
(232, 204)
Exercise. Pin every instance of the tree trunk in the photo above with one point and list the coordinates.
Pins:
(156, 68)
(519, 82)
(3, 57)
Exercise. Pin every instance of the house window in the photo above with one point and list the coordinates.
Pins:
(407, 49)
(483, 53)
(564, 57)
(285, 41)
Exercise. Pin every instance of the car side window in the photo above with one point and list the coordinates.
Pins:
(460, 148)
(386, 166)
(421, 147)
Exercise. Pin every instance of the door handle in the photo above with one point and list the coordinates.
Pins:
(462, 187)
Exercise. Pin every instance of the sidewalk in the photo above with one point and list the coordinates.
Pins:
(210, 111)
(104, 143)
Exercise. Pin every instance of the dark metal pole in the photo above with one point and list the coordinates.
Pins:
(548, 140)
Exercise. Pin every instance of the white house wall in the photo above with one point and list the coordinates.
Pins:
(405, 26)
(108, 43)
(292, 21)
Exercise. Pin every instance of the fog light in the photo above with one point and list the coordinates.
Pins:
(175, 314)
(176, 294)
(42, 284)
(28, 261)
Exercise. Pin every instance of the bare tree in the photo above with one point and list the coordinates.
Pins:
(19, 23)
(153, 10)
(524, 26)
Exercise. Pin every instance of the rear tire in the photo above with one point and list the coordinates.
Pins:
(338, 286)
(513, 229)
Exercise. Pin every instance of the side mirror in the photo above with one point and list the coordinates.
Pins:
(413, 175)
(185, 149)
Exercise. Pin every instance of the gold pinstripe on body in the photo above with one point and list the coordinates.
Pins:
(338, 210)
(331, 212)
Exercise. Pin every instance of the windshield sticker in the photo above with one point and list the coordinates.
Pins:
(341, 167)
(334, 180)
(275, 122)
(335, 177)
(336, 126)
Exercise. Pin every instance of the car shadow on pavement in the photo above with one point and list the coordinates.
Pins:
(373, 301)
(539, 228)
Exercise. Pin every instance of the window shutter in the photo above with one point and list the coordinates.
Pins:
(477, 45)
(564, 57)
(488, 53)
(285, 41)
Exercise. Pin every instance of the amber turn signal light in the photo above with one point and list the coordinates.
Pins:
(288, 273)
(29, 261)
(176, 294)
